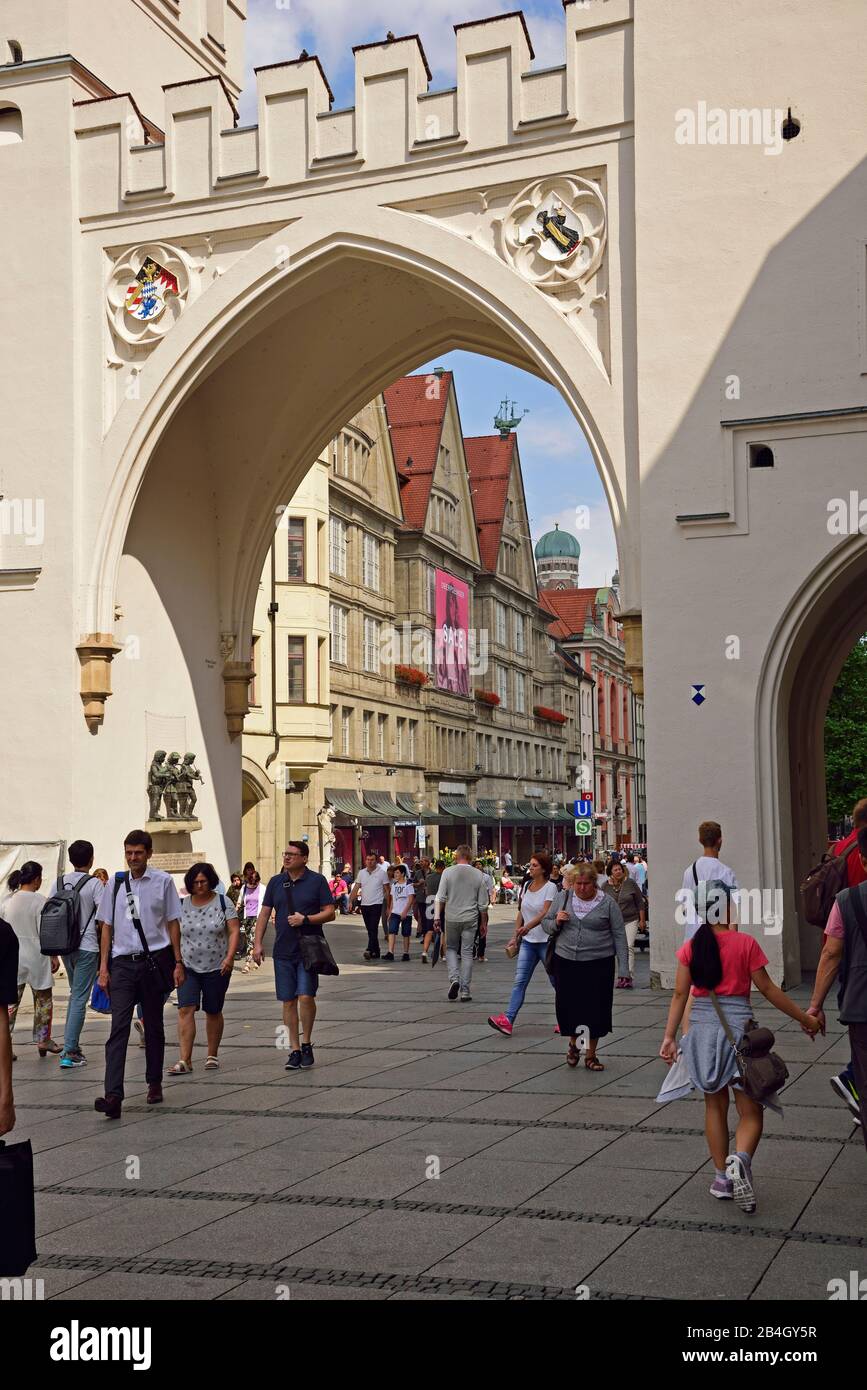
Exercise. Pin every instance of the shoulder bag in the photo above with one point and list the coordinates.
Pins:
(763, 1072)
(552, 940)
(315, 952)
(160, 965)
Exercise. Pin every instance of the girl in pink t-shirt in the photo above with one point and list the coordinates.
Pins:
(722, 961)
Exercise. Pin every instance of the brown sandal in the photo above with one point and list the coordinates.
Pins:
(593, 1064)
(572, 1055)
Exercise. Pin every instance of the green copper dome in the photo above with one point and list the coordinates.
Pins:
(556, 543)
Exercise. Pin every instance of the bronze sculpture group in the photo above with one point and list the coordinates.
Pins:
(171, 780)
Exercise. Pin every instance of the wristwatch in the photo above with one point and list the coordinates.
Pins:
(306, 922)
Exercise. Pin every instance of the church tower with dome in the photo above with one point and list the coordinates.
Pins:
(557, 559)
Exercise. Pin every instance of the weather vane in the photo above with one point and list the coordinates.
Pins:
(507, 420)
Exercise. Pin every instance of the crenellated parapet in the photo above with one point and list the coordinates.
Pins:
(499, 102)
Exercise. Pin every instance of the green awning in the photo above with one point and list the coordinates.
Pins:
(405, 801)
(513, 815)
(459, 807)
(383, 805)
(346, 803)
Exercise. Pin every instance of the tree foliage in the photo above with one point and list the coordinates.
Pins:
(846, 735)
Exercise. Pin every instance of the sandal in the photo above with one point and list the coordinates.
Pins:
(212, 1064)
(180, 1069)
(573, 1055)
(593, 1064)
(49, 1046)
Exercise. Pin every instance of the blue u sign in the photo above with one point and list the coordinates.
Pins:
(583, 808)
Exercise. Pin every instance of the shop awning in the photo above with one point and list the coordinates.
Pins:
(459, 807)
(347, 804)
(535, 812)
(513, 815)
(405, 801)
(383, 805)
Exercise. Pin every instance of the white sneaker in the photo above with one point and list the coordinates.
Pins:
(742, 1179)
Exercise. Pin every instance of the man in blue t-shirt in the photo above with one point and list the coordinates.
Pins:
(299, 899)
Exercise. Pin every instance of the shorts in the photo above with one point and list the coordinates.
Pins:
(291, 980)
(396, 927)
(203, 991)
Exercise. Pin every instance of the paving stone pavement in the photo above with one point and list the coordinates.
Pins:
(427, 1156)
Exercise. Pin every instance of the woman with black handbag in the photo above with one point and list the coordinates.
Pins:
(718, 966)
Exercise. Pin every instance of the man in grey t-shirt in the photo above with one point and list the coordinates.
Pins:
(463, 896)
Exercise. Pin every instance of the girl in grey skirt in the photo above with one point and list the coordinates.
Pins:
(722, 961)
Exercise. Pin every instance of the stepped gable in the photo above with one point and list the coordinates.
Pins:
(416, 426)
(489, 464)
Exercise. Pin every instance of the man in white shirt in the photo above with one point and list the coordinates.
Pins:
(463, 895)
(144, 899)
(707, 866)
(371, 886)
(81, 965)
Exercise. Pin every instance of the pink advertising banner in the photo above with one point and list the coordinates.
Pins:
(451, 654)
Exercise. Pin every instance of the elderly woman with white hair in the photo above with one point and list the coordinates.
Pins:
(587, 937)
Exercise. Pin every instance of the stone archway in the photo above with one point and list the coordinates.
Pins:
(239, 400)
(803, 662)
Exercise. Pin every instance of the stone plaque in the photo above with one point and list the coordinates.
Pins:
(178, 863)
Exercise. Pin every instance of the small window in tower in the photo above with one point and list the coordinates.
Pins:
(11, 125)
(761, 456)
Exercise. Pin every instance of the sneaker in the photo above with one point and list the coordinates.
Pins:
(389, 955)
(307, 1058)
(742, 1182)
(846, 1091)
(466, 997)
(293, 1061)
(501, 1023)
(424, 957)
(73, 1059)
(405, 955)
(722, 1188)
(557, 1028)
(454, 991)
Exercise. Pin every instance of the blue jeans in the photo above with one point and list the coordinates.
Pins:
(529, 956)
(82, 968)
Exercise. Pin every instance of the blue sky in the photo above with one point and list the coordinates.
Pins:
(559, 473)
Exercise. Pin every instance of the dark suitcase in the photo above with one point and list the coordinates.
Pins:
(17, 1209)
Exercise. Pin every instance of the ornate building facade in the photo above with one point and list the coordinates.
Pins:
(356, 737)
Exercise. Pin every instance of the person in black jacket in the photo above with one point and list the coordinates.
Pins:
(8, 995)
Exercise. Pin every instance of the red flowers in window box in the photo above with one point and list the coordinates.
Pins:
(487, 697)
(553, 716)
(411, 675)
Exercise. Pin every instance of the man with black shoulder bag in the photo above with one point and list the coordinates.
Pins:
(302, 903)
(140, 963)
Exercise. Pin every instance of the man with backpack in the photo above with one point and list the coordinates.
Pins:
(707, 866)
(844, 956)
(74, 907)
(140, 963)
(839, 869)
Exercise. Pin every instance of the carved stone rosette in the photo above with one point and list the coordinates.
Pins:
(522, 242)
(142, 321)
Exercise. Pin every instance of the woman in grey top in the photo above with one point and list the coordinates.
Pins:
(629, 898)
(589, 935)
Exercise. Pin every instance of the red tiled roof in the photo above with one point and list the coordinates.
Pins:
(416, 426)
(570, 608)
(489, 464)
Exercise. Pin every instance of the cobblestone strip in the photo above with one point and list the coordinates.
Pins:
(456, 1119)
(299, 1274)
(658, 1223)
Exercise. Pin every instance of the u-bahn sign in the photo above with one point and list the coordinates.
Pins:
(584, 807)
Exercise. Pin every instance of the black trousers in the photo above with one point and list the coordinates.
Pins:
(371, 917)
(134, 982)
(858, 1043)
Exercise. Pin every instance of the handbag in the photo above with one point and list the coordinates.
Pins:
(552, 940)
(763, 1072)
(17, 1209)
(315, 952)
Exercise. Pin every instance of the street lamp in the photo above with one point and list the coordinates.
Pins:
(551, 809)
(419, 803)
(500, 809)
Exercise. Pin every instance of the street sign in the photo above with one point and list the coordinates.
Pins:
(584, 807)
(583, 825)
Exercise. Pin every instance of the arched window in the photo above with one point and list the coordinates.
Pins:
(11, 125)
